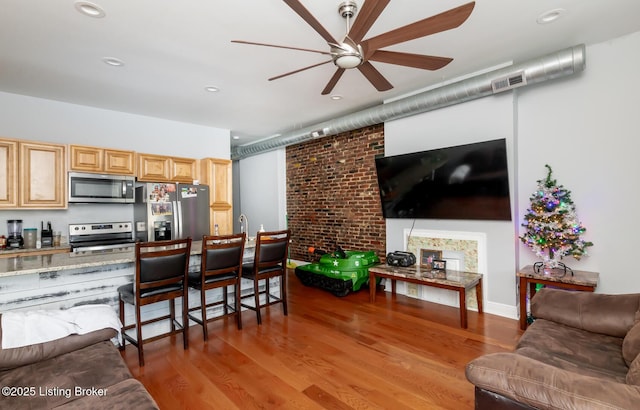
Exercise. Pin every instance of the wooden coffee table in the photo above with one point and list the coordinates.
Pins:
(449, 279)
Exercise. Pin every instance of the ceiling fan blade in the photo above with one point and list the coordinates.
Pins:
(297, 71)
(435, 24)
(374, 77)
(277, 46)
(410, 60)
(333, 81)
(308, 17)
(367, 15)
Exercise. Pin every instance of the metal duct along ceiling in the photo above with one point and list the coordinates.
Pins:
(559, 64)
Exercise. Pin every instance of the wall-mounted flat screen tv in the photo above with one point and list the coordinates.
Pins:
(468, 181)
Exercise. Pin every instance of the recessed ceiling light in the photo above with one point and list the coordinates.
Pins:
(235, 137)
(212, 89)
(336, 97)
(89, 9)
(112, 61)
(550, 16)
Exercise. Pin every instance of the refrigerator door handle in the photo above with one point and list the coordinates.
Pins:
(177, 218)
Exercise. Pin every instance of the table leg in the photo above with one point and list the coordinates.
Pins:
(479, 295)
(463, 307)
(372, 287)
(523, 303)
(393, 286)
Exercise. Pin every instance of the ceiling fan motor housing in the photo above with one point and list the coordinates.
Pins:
(347, 9)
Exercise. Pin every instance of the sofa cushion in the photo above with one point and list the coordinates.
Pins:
(545, 386)
(98, 366)
(612, 315)
(631, 344)
(633, 377)
(21, 356)
(575, 350)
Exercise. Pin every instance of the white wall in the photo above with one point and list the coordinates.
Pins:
(584, 126)
(262, 183)
(586, 129)
(43, 120)
(37, 119)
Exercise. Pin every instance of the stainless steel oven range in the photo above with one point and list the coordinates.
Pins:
(98, 238)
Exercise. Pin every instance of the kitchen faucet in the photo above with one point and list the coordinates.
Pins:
(244, 224)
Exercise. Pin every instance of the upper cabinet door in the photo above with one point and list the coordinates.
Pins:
(217, 174)
(119, 162)
(88, 159)
(8, 173)
(183, 170)
(153, 168)
(42, 174)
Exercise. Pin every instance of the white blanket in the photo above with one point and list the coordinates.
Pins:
(31, 327)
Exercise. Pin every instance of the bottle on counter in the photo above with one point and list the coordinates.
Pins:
(3, 242)
(216, 231)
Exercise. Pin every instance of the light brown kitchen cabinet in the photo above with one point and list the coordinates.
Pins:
(42, 175)
(217, 174)
(101, 160)
(161, 168)
(183, 169)
(8, 173)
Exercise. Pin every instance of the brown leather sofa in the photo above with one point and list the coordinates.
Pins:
(75, 372)
(581, 352)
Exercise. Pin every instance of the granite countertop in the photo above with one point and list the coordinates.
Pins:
(61, 261)
(9, 252)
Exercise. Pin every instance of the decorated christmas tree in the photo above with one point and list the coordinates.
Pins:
(552, 226)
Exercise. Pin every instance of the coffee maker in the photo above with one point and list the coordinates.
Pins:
(46, 235)
(14, 228)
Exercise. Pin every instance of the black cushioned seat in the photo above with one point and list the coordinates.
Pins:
(161, 275)
(220, 267)
(270, 262)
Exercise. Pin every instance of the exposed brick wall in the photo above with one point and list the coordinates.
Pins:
(332, 193)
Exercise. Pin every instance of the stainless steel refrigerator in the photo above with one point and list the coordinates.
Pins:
(165, 211)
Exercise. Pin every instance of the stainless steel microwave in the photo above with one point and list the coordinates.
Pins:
(98, 188)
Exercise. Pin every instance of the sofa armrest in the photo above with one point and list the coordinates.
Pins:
(21, 356)
(612, 315)
(543, 386)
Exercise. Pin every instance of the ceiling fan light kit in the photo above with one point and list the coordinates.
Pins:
(354, 52)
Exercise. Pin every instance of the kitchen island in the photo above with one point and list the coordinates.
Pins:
(64, 280)
(25, 265)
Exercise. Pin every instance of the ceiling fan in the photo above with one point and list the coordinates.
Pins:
(354, 52)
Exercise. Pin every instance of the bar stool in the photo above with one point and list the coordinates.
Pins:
(270, 262)
(220, 267)
(161, 275)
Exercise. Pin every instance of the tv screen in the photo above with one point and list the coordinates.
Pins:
(462, 182)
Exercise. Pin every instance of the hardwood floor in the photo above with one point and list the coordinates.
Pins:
(328, 353)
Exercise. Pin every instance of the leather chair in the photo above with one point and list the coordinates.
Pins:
(220, 267)
(270, 262)
(161, 275)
